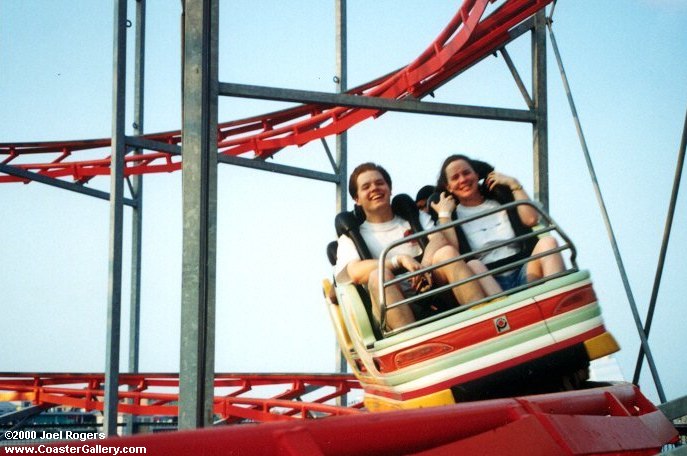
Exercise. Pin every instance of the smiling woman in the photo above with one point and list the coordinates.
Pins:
(462, 196)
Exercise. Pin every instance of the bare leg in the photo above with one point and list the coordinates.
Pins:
(545, 266)
(453, 272)
(488, 283)
(396, 317)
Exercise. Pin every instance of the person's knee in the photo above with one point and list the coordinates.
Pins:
(547, 243)
(477, 266)
(444, 253)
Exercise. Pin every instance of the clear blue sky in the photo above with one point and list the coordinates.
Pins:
(627, 64)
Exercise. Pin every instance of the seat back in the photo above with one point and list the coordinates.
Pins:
(331, 252)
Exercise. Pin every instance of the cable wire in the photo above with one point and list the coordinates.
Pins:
(607, 222)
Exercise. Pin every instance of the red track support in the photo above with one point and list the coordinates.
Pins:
(468, 37)
(238, 397)
(616, 420)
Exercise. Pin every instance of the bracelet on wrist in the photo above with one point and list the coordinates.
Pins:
(516, 188)
(444, 214)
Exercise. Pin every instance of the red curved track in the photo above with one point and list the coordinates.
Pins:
(470, 35)
(238, 397)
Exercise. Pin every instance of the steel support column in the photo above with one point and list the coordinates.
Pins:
(540, 129)
(341, 80)
(137, 214)
(116, 220)
(342, 86)
(199, 180)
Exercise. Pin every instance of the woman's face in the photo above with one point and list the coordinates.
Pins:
(462, 180)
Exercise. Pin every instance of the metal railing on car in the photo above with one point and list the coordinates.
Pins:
(546, 226)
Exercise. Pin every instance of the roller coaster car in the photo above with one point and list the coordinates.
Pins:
(535, 338)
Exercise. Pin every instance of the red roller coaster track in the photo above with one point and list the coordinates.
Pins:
(469, 36)
(610, 421)
(238, 397)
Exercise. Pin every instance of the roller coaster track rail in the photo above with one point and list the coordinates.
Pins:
(238, 397)
(610, 420)
(470, 36)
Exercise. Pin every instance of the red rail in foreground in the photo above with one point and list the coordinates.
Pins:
(602, 421)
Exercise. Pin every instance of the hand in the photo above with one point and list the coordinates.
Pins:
(408, 263)
(446, 203)
(493, 179)
(421, 282)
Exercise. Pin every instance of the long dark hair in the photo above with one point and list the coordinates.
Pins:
(481, 168)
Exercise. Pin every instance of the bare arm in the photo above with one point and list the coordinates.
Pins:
(444, 208)
(528, 215)
(359, 270)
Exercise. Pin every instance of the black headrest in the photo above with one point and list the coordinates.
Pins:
(359, 213)
(344, 222)
(347, 223)
(483, 169)
(500, 193)
(433, 198)
(404, 206)
(331, 252)
(424, 193)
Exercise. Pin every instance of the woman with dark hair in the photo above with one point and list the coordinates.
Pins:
(461, 196)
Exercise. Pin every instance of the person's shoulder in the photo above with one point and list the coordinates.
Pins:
(345, 253)
(343, 239)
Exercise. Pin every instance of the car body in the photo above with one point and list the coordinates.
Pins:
(535, 338)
